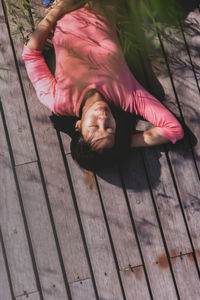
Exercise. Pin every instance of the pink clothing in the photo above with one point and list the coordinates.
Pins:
(88, 55)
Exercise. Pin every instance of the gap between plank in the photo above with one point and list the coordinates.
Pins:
(39, 164)
(135, 231)
(160, 226)
(20, 200)
(6, 264)
(182, 210)
(177, 98)
(110, 237)
(77, 210)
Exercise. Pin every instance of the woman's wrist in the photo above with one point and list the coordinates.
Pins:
(151, 137)
(39, 36)
(55, 12)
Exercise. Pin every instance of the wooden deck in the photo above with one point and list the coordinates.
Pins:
(131, 232)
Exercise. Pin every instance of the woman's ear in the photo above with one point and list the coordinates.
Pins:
(78, 125)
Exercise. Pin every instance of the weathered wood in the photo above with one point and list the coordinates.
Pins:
(12, 98)
(143, 212)
(66, 144)
(188, 187)
(180, 154)
(166, 201)
(81, 290)
(185, 67)
(40, 228)
(59, 194)
(186, 276)
(148, 230)
(122, 233)
(118, 218)
(95, 231)
(32, 296)
(5, 292)
(134, 283)
(12, 224)
(163, 188)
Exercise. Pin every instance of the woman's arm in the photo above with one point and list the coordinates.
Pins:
(39, 36)
(151, 137)
(166, 126)
(58, 9)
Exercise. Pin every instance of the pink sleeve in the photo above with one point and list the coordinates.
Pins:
(40, 76)
(145, 105)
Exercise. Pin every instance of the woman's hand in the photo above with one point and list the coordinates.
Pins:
(65, 6)
(151, 137)
(57, 10)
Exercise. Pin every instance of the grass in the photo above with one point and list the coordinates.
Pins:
(2, 69)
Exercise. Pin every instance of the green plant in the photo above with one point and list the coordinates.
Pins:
(2, 69)
(136, 21)
(20, 13)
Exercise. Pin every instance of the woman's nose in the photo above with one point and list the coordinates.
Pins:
(103, 124)
(102, 114)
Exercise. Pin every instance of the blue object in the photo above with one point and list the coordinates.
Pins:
(48, 3)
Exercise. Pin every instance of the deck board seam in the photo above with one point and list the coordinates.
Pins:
(130, 267)
(80, 280)
(26, 163)
(181, 254)
(27, 294)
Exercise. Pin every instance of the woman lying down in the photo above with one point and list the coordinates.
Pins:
(93, 83)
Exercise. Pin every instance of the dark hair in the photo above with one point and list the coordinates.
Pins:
(82, 151)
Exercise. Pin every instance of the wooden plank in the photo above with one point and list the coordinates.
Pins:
(186, 276)
(134, 283)
(81, 290)
(162, 185)
(5, 292)
(189, 95)
(118, 218)
(191, 34)
(12, 98)
(95, 231)
(187, 91)
(147, 228)
(180, 154)
(32, 296)
(59, 194)
(188, 187)
(122, 233)
(40, 228)
(166, 201)
(12, 224)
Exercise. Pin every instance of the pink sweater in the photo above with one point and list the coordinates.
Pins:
(88, 55)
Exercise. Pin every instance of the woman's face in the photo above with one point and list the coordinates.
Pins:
(97, 124)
